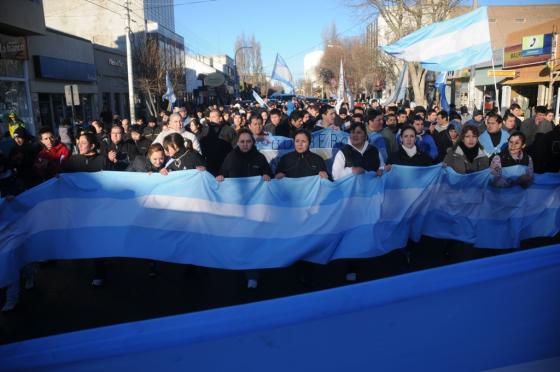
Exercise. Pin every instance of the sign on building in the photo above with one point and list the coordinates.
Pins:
(536, 45)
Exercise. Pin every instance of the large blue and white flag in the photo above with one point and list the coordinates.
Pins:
(402, 84)
(169, 93)
(245, 223)
(282, 73)
(447, 46)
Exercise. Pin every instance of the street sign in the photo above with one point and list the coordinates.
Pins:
(72, 95)
(75, 95)
(68, 94)
(502, 73)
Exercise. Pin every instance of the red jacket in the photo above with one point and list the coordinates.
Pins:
(49, 162)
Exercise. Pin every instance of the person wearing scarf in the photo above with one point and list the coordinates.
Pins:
(467, 156)
(408, 153)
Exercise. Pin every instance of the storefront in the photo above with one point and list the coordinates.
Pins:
(529, 53)
(111, 80)
(59, 60)
(14, 81)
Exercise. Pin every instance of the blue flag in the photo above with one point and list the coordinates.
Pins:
(282, 73)
(447, 46)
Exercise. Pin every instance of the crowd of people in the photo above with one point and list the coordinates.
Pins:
(223, 140)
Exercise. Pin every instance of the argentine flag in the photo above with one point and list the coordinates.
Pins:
(447, 46)
(169, 93)
(282, 73)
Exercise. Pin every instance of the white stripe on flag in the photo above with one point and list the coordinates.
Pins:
(453, 42)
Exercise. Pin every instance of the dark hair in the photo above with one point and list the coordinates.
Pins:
(372, 114)
(520, 135)
(255, 116)
(343, 111)
(296, 115)
(117, 126)
(324, 109)
(154, 147)
(44, 130)
(305, 132)
(509, 115)
(540, 110)
(469, 128)
(356, 125)
(496, 116)
(275, 112)
(246, 131)
(417, 118)
(401, 112)
(443, 114)
(177, 142)
(514, 106)
(358, 116)
(454, 116)
(407, 127)
(152, 119)
(197, 123)
(91, 138)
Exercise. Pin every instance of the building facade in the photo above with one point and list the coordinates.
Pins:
(18, 21)
(104, 24)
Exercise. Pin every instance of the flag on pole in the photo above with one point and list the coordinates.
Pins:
(440, 85)
(447, 46)
(340, 91)
(349, 96)
(259, 99)
(169, 94)
(282, 73)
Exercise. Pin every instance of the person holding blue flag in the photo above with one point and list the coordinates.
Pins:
(356, 157)
(246, 161)
(512, 166)
(408, 153)
(494, 139)
(301, 162)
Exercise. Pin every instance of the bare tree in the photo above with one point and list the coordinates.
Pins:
(150, 67)
(249, 61)
(402, 17)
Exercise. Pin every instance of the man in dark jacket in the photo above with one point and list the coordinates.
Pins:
(119, 152)
(140, 142)
(152, 129)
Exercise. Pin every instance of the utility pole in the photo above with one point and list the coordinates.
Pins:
(131, 103)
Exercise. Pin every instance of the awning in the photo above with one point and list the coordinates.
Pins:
(481, 77)
(530, 75)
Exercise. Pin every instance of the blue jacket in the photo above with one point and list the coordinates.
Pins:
(489, 147)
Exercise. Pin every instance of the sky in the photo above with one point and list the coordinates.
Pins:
(291, 28)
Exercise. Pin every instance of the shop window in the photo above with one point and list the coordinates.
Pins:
(11, 68)
(13, 98)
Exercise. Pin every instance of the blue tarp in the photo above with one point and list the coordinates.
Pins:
(497, 312)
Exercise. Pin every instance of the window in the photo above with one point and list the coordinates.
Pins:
(520, 20)
(492, 20)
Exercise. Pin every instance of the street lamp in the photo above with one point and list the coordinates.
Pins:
(236, 88)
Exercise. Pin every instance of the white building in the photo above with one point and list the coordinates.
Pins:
(310, 63)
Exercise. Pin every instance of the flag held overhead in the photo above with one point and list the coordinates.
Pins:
(447, 46)
(282, 73)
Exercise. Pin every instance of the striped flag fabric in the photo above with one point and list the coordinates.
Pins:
(447, 46)
(282, 73)
(245, 223)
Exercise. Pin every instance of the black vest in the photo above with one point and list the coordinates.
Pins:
(507, 160)
(369, 160)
